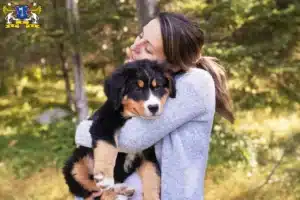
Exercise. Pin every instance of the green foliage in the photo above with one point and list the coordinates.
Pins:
(37, 147)
(257, 41)
(27, 147)
(233, 148)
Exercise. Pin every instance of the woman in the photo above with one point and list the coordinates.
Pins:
(181, 134)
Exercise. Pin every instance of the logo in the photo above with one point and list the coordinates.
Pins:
(17, 15)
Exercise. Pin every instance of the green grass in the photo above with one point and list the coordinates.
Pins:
(241, 156)
(26, 146)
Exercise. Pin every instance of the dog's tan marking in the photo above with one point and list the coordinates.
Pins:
(168, 76)
(154, 84)
(105, 156)
(150, 181)
(81, 174)
(133, 108)
(164, 98)
(141, 83)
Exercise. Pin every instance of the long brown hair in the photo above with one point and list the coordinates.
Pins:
(182, 42)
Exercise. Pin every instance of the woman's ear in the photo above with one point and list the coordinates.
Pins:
(114, 87)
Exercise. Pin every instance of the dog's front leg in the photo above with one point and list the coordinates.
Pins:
(103, 131)
(80, 173)
(105, 155)
(150, 180)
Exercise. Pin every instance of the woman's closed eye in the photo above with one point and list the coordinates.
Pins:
(148, 50)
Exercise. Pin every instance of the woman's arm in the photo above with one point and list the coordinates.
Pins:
(194, 93)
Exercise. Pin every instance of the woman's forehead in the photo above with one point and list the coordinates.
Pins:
(152, 33)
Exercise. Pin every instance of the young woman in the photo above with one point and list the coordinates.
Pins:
(181, 134)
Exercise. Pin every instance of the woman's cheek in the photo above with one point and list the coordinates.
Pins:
(145, 55)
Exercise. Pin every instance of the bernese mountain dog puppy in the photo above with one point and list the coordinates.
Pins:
(136, 89)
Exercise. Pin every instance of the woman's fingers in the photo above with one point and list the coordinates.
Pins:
(123, 189)
(96, 194)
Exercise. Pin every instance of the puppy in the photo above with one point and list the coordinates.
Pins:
(136, 89)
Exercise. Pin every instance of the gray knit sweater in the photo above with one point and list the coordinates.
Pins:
(181, 136)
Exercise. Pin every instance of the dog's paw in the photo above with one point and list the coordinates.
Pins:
(98, 177)
(123, 189)
(104, 182)
(121, 197)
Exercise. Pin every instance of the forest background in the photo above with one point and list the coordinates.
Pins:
(59, 70)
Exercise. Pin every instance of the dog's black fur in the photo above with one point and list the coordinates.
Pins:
(110, 116)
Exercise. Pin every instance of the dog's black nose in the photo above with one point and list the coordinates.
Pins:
(153, 108)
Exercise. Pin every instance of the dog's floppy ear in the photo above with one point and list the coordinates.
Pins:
(114, 87)
(168, 73)
(172, 85)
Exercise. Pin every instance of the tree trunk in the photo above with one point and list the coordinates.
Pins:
(59, 21)
(80, 96)
(146, 10)
(64, 69)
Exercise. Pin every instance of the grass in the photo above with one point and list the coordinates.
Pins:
(241, 156)
(45, 184)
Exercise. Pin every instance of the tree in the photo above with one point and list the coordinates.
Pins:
(64, 68)
(146, 10)
(58, 33)
(80, 96)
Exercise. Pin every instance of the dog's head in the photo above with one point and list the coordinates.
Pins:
(140, 88)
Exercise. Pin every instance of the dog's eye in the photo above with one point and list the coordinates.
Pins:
(140, 83)
(158, 86)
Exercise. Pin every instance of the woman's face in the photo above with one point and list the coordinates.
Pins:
(149, 44)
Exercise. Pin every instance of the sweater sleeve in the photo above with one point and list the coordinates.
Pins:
(191, 101)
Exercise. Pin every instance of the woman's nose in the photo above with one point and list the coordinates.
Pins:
(136, 46)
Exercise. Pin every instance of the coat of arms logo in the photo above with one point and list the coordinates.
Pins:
(19, 14)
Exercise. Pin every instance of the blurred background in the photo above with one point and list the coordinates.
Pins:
(50, 78)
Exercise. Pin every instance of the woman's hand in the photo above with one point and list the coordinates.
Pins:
(112, 193)
(96, 194)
